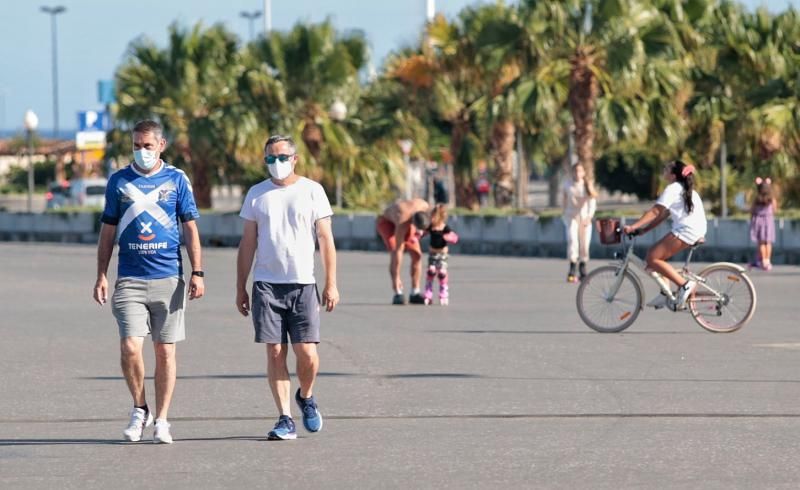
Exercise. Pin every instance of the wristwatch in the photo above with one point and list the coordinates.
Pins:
(198, 273)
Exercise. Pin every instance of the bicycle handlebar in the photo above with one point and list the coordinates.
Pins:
(632, 234)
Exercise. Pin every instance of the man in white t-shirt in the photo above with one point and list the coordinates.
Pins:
(284, 216)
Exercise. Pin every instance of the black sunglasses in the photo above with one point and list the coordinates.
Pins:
(273, 158)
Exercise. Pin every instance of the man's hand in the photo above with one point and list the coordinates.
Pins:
(243, 302)
(628, 229)
(330, 297)
(101, 290)
(197, 287)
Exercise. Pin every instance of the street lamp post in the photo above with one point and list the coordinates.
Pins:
(31, 122)
(251, 17)
(53, 12)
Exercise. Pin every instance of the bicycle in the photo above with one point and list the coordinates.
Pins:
(610, 298)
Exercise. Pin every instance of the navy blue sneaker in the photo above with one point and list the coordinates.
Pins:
(284, 430)
(312, 419)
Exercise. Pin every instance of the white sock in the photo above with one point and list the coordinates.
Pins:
(415, 291)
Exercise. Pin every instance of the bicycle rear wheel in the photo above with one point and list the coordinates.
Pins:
(605, 314)
(725, 301)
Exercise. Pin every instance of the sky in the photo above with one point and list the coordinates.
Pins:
(93, 36)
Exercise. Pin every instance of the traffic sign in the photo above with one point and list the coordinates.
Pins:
(105, 92)
(93, 121)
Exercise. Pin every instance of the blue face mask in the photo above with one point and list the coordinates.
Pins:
(145, 159)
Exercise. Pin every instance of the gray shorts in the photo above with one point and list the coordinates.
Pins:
(285, 311)
(150, 306)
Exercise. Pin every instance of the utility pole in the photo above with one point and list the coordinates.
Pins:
(267, 17)
(723, 188)
(53, 12)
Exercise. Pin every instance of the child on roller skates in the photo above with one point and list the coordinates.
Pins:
(441, 236)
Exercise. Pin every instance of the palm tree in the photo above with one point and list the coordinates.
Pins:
(775, 114)
(454, 93)
(744, 82)
(190, 87)
(528, 86)
(316, 67)
(609, 45)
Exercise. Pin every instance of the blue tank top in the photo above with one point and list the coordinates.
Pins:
(146, 209)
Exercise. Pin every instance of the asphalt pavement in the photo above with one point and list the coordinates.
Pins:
(504, 387)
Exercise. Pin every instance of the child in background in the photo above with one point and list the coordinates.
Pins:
(580, 204)
(441, 235)
(762, 223)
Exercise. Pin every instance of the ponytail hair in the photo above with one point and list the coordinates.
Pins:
(684, 173)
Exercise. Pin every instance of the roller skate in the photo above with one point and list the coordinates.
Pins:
(571, 278)
(444, 296)
(428, 295)
(581, 271)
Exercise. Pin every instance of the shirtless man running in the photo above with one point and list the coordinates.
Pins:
(400, 226)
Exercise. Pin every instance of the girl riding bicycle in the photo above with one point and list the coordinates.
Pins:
(683, 204)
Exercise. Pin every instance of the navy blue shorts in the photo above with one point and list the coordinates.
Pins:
(285, 311)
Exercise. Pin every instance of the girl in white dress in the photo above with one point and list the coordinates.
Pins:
(580, 203)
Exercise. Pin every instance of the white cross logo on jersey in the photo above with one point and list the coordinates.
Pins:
(146, 228)
(142, 202)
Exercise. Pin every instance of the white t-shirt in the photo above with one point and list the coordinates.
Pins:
(688, 227)
(578, 204)
(286, 218)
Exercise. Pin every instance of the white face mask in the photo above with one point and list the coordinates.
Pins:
(280, 170)
(145, 159)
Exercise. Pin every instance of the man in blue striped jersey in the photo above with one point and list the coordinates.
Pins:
(145, 202)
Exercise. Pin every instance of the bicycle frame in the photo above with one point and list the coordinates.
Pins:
(630, 258)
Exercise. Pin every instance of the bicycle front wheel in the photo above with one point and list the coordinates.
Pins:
(603, 309)
(724, 301)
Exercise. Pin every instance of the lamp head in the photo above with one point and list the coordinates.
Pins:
(31, 120)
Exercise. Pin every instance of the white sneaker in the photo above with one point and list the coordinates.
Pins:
(161, 434)
(659, 301)
(684, 292)
(139, 420)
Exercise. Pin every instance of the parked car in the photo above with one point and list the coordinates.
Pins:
(57, 195)
(88, 192)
